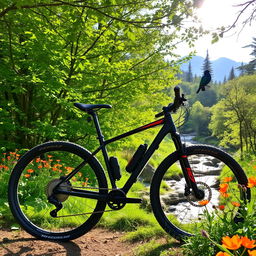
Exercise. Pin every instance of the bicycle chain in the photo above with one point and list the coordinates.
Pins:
(80, 214)
(86, 213)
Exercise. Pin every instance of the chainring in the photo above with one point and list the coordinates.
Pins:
(112, 203)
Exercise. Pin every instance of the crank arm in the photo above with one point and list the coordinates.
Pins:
(125, 200)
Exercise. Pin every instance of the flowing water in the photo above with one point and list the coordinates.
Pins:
(206, 170)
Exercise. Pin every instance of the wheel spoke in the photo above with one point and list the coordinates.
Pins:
(35, 180)
(186, 214)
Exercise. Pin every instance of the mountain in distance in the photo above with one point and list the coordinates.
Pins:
(220, 68)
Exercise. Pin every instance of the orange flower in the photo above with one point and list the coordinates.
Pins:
(252, 182)
(247, 243)
(38, 160)
(225, 195)
(69, 169)
(58, 160)
(223, 188)
(203, 202)
(84, 184)
(27, 175)
(227, 179)
(222, 254)
(49, 156)
(236, 204)
(54, 169)
(252, 253)
(30, 170)
(40, 166)
(46, 165)
(222, 207)
(232, 243)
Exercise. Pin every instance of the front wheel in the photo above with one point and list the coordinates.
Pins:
(216, 173)
(34, 179)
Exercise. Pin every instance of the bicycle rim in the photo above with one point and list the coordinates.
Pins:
(216, 174)
(36, 178)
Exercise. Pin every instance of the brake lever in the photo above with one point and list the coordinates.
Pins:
(182, 99)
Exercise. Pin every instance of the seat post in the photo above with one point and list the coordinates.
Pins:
(103, 149)
(97, 126)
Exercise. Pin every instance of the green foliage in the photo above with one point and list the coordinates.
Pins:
(232, 118)
(7, 162)
(145, 234)
(155, 248)
(129, 218)
(56, 53)
(199, 119)
(207, 65)
(250, 68)
(221, 223)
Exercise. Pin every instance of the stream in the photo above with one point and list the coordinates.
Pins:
(206, 170)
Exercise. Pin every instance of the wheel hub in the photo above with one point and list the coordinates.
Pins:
(65, 186)
(207, 195)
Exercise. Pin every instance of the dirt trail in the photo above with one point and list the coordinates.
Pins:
(98, 242)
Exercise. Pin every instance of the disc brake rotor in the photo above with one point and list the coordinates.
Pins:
(208, 195)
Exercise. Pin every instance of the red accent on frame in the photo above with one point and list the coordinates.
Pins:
(152, 124)
(190, 174)
(184, 156)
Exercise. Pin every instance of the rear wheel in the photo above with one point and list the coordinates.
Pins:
(33, 180)
(216, 173)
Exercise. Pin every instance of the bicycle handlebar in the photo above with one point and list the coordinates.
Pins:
(173, 107)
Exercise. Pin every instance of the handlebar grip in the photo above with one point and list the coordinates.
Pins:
(159, 114)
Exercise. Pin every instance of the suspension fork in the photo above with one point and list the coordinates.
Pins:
(186, 168)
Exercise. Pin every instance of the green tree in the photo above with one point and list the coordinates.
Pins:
(55, 53)
(235, 114)
(199, 119)
(250, 68)
(207, 65)
(231, 74)
(189, 74)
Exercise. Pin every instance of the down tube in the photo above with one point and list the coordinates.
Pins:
(153, 147)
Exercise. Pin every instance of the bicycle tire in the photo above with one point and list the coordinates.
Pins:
(38, 170)
(171, 215)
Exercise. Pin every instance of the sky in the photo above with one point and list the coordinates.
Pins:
(216, 13)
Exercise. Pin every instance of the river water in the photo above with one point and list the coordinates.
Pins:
(206, 170)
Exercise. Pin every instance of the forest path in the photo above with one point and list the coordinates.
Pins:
(98, 242)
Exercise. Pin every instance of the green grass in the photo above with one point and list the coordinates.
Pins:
(130, 218)
(157, 248)
(145, 234)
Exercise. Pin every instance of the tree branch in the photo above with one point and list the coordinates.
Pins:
(246, 5)
(155, 22)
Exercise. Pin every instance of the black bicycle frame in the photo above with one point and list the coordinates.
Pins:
(168, 127)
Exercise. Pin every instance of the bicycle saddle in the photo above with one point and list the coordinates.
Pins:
(89, 107)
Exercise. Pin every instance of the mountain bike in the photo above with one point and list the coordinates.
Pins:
(59, 190)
